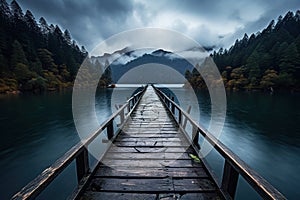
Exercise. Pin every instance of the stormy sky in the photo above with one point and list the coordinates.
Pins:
(210, 22)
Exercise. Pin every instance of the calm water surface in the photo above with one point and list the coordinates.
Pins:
(263, 129)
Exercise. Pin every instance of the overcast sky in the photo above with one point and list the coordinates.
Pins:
(210, 22)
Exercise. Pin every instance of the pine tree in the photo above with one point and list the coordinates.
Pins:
(290, 59)
(67, 37)
(46, 59)
(28, 49)
(18, 55)
(30, 21)
(4, 9)
(16, 10)
(44, 27)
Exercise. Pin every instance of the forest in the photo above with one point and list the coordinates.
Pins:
(268, 60)
(35, 56)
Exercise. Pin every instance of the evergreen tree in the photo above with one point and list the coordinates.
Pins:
(4, 9)
(290, 59)
(275, 49)
(30, 21)
(67, 37)
(44, 27)
(16, 10)
(18, 55)
(35, 56)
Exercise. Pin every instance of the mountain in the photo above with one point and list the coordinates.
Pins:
(35, 56)
(123, 62)
(267, 60)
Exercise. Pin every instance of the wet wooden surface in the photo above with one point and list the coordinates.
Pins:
(150, 159)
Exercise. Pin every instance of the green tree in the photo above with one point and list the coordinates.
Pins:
(22, 73)
(47, 61)
(67, 37)
(18, 55)
(285, 80)
(16, 10)
(290, 60)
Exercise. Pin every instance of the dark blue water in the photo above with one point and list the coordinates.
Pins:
(263, 129)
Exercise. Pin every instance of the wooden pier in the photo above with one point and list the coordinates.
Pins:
(151, 157)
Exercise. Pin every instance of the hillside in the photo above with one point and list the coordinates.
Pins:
(124, 62)
(159, 56)
(35, 56)
(267, 60)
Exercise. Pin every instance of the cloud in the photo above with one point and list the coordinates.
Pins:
(210, 22)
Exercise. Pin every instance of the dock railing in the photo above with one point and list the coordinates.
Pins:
(233, 166)
(79, 153)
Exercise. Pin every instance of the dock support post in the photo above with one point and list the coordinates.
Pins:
(82, 164)
(195, 136)
(229, 180)
(172, 106)
(128, 107)
(185, 118)
(110, 130)
(179, 117)
(122, 116)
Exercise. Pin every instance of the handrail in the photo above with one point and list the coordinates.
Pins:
(233, 167)
(78, 152)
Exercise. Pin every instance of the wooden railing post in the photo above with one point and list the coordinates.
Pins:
(82, 164)
(128, 107)
(173, 106)
(110, 130)
(229, 180)
(122, 116)
(179, 117)
(195, 136)
(185, 119)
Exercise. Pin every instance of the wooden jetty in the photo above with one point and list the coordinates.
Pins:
(151, 156)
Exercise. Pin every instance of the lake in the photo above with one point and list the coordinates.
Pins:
(262, 128)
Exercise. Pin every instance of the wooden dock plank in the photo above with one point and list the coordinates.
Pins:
(160, 172)
(139, 196)
(151, 185)
(150, 150)
(151, 163)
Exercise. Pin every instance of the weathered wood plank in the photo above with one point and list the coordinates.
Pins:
(140, 196)
(143, 156)
(117, 196)
(157, 135)
(190, 196)
(150, 144)
(151, 150)
(151, 172)
(148, 139)
(193, 185)
(151, 163)
(151, 132)
(151, 185)
(131, 185)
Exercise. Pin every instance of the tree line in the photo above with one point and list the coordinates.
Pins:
(267, 60)
(35, 56)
